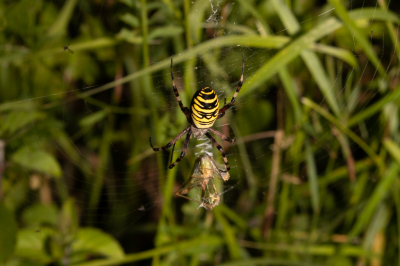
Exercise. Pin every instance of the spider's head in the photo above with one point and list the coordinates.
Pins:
(204, 108)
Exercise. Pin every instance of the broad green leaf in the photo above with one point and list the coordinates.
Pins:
(68, 219)
(17, 194)
(14, 121)
(31, 244)
(8, 234)
(94, 241)
(39, 160)
(40, 214)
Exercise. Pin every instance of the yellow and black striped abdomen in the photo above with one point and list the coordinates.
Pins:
(204, 108)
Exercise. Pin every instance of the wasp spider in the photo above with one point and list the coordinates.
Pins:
(204, 111)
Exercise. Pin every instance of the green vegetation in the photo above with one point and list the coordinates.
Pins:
(315, 169)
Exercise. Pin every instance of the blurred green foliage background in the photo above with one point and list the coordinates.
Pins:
(315, 169)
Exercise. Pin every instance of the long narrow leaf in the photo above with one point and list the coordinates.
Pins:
(358, 35)
(321, 78)
(60, 26)
(345, 130)
(375, 14)
(380, 192)
(208, 241)
(376, 107)
(312, 177)
(289, 53)
(393, 149)
(249, 41)
(228, 232)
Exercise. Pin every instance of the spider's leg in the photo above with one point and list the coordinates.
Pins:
(184, 109)
(172, 153)
(220, 149)
(222, 136)
(172, 142)
(227, 106)
(220, 115)
(184, 148)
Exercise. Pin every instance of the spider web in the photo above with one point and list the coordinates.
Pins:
(139, 176)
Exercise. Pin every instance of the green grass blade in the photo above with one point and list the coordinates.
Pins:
(396, 197)
(229, 235)
(340, 53)
(249, 7)
(393, 149)
(374, 108)
(268, 261)
(358, 35)
(76, 47)
(309, 57)
(235, 217)
(321, 78)
(61, 24)
(174, 10)
(207, 241)
(337, 175)
(379, 221)
(345, 130)
(375, 14)
(380, 192)
(287, 17)
(196, 17)
(318, 250)
(288, 54)
(271, 42)
(288, 85)
(312, 177)
(387, 15)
